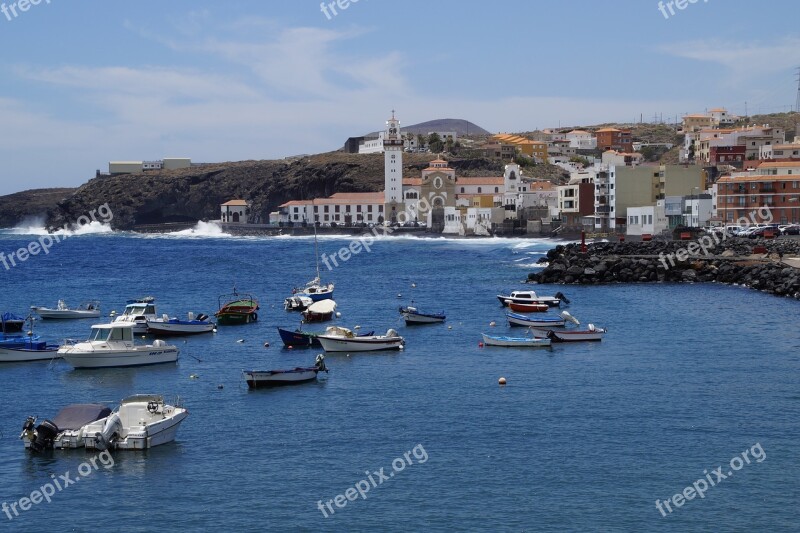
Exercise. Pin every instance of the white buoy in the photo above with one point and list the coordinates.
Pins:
(356, 327)
(492, 323)
(501, 381)
(413, 285)
(399, 295)
(338, 314)
(240, 340)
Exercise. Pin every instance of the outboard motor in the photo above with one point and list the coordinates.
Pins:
(560, 296)
(391, 333)
(319, 362)
(202, 317)
(27, 429)
(104, 439)
(45, 434)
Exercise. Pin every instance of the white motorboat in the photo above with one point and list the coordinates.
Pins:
(90, 309)
(29, 350)
(333, 341)
(65, 430)
(515, 319)
(510, 342)
(530, 297)
(297, 303)
(140, 422)
(138, 312)
(174, 326)
(592, 333)
(272, 378)
(112, 345)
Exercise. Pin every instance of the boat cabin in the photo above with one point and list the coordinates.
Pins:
(111, 333)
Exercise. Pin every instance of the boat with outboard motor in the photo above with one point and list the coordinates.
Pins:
(414, 316)
(512, 342)
(305, 339)
(65, 430)
(175, 326)
(515, 319)
(62, 311)
(530, 297)
(335, 340)
(273, 378)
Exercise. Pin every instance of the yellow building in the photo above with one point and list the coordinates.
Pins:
(535, 149)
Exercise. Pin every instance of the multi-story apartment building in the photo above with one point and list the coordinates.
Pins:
(770, 193)
(614, 139)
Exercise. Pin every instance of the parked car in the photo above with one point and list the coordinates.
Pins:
(793, 229)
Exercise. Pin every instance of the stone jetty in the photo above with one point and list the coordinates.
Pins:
(767, 265)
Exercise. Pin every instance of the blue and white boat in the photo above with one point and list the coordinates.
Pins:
(29, 349)
(414, 316)
(516, 319)
(514, 342)
(175, 326)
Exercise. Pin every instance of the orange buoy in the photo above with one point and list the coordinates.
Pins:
(480, 345)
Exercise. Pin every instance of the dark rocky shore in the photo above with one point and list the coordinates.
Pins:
(732, 261)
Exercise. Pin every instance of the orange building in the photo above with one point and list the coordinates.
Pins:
(614, 139)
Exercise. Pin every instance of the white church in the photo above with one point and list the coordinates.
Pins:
(438, 198)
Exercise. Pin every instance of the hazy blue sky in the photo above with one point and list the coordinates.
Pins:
(88, 81)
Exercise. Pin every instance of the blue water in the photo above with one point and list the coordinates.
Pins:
(583, 437)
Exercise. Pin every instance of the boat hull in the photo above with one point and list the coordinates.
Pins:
(550, 301)
(576, 336)
(515, 342)
(235, 319)
(359, 344)
(414, 317)
(179, 327)
(116, 359)
(525, 321)
(152, 435)
(64, 314)
(528, 308)
(276, 378)
(21, 354)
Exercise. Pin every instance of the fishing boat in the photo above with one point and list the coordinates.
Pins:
(510, 342)
(174, 326)
(111, 345)
(62, 311)
(592, 333)
(515, 319)
(320, 311)
(332, 341)
(28, 350)
(528, 308)
(236, 308)
(297, 303)
(137, 313)
(140, 422)
(22, 348)
(414, 316)
(315, 289)
(303, 339)
(65, 430)
(273, 378)
(530, 297)
(11, 323)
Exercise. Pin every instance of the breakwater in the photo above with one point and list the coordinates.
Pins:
(766, 265)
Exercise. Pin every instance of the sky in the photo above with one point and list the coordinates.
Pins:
(85, 82)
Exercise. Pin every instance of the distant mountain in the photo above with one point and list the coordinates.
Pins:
(461, 127)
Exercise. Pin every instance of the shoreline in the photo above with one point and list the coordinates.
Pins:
(771, 266)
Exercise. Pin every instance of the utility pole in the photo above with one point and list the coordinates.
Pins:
(797, 103)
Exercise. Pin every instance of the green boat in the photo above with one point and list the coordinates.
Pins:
(236, 308)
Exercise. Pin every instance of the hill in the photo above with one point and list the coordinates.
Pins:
(14, 208)
(460, 126)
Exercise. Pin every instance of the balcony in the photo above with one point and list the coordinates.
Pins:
(602, 209)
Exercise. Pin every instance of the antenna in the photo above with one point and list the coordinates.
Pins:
(797, 103)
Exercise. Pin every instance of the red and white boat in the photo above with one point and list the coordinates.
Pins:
(529, 308)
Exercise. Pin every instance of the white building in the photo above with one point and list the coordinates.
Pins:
(372, 146)
(622, 159)
(582, 140)
(779, 151)
(235, 211)
(698, 210)
(647, 220)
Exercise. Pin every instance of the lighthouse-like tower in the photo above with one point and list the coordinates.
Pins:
(393, 170)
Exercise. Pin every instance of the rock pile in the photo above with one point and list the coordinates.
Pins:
(730, 261)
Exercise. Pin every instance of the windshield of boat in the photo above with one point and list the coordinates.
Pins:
(140, 309)
(111, 334)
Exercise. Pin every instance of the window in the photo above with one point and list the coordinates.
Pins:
(479, 190)
(325, 209)
(358, 209)
(497, 189)
(369, 209)
(296, 209)
(336, 209)
(462, 189)
(316, 209)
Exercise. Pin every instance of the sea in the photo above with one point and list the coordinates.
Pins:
(686, 417)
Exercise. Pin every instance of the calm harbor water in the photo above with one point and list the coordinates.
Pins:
(584, 437)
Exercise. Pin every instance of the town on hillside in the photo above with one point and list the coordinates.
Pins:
(725, 174)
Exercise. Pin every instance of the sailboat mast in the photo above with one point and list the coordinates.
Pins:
(316, 249)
